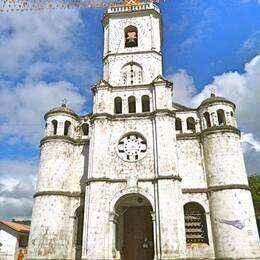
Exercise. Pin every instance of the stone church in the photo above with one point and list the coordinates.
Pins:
(141, 177)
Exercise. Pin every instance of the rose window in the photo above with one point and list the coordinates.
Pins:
(132, 148)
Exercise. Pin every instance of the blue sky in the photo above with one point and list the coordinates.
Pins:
(50, 55)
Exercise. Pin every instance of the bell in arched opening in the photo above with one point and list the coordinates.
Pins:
(131, 37)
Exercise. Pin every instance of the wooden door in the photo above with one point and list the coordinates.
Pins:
(138, 234)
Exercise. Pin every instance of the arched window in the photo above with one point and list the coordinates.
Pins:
(191, 124)
(131, 73)
(54, 126)
(145, 103)
(195, 223)
(131, 105)
(207, 119)
(118, 105)
(131, 37)
(221, 117)
(67, 127)
(85, 129)
(178, 125)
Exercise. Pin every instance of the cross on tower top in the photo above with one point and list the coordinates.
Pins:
(64, 102)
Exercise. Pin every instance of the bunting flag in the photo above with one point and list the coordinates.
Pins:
(236, 223)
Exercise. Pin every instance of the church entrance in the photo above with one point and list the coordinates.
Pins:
(135, 228)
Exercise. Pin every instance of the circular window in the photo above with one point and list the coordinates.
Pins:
(132, 148)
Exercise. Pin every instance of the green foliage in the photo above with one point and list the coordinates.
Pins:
(254, 183)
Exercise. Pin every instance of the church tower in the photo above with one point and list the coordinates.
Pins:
(133, 157)
(141, 177)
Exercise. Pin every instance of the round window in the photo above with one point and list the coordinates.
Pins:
(132, 148)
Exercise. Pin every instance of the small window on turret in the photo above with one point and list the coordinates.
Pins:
(67, 127)
(207, 119)
(221, 117)
(178, 125)
(85, 129)
(54, 126)
(131, 37)
(191, 124)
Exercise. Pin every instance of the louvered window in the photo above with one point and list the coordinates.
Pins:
(195, 223)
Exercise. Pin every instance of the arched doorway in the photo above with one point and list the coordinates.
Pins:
(78, 231)
(134, 230)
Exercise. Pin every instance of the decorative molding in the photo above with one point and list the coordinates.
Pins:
(217, 188)
(58, 193)
(151, 115)
(156, 179)
(64, 138)
(132, 53)
(188, 136)
(220, 129)
(104, 179)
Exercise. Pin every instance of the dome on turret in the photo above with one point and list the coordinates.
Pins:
(61, 109)
(215, 99)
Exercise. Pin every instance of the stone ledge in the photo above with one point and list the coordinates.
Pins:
(156, 179)
(217, 188)
(220, 129)
(58, 193)
(90, 180)
(187, 136)
(65, 139)
(149, 115)
(127, 53)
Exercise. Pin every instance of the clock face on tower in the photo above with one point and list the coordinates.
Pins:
(132, 147)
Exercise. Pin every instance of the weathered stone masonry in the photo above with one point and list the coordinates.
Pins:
(141, 177)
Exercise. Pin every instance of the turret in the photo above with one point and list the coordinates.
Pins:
(58, 194)
(232, 213)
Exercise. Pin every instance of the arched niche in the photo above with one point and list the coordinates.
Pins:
(131, 74)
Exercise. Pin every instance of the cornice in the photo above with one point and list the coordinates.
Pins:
(220, 129)
(217, 188)
(58, 193)
(188, 136)
(64, 138)
(133, 13)
(104, 179)
(156, 179)
(149, 115)
(131, 53)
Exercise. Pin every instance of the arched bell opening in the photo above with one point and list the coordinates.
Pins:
(134, 228)
(131, 37)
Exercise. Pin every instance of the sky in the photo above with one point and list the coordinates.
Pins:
(46, 56)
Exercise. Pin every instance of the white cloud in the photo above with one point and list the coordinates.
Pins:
(241, 88)
(23, 35)
(184, 86)
(249, 143)
(23, 107)
(252, 45)
(17, 185)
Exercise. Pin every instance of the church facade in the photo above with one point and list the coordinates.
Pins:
(141, 177)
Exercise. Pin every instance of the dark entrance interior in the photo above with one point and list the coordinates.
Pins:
(135, 228)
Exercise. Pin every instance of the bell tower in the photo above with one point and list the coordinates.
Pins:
(132, 44)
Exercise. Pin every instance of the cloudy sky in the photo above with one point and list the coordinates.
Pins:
(50, 55)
